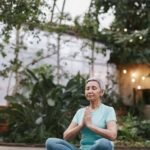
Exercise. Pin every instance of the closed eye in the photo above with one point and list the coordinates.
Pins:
(92, 87)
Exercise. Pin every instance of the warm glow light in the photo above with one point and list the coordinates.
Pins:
(125, 30)
(133, 75)
(133, 80)
(140, 37)
(131, 40)
(139, 87)
(143, 78)
(124, 71)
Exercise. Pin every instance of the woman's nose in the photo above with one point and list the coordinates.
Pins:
(90, 90)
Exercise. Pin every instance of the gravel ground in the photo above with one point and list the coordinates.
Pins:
(20, 148)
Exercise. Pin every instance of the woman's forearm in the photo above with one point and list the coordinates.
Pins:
(71, 133)
(107, 133)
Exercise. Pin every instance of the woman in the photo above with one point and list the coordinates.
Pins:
(96, 122)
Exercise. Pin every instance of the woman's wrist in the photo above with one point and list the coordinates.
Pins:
(90, 126)
(80, 126)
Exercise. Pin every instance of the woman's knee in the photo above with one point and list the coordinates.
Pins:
(105, 144)
(50, 142)
(102, 144)
(55, 143)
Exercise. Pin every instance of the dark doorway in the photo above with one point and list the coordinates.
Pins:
(146, 96)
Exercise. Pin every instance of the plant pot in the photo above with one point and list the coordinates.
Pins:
(121, 111)
(3, 127)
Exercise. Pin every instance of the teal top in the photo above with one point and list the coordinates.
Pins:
(100, 117)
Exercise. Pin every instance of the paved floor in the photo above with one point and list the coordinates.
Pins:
(20, 148)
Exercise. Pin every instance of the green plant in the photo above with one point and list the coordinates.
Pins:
(2, 117)
(41, 108)
(112, 97)
(127, 129)
(35, 110)
(132, 128)
(144, 129)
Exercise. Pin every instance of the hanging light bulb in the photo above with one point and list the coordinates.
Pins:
(124, 71)
(133, 80)
(140, 37)
(131, 40)
(143, 78)
(125, 29)
(133, 74)
(139, 87)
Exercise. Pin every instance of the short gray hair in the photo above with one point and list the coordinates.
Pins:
(99, 81)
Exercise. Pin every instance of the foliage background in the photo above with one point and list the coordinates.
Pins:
(37, 102)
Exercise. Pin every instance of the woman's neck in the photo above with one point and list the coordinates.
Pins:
(95, 104)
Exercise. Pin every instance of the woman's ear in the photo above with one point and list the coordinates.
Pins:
(101, 93)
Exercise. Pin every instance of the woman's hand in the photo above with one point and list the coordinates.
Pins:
(72, 131)
(87, 117)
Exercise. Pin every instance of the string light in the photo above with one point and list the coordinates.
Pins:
(124, 71)
(143, 78)
(133, 74)
(133, 80)
(125, 30)
(139, 87)
(131, 40)
(140, 37)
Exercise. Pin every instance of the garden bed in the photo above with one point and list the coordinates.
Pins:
(131, 148)
(118, 146)
(124, 145)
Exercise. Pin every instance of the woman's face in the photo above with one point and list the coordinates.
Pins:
(93, 91)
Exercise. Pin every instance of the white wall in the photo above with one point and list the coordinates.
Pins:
(42, 41)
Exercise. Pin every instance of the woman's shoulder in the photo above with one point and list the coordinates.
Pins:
(107, 107)
(81, 109)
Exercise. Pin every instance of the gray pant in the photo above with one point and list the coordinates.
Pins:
(60, 144)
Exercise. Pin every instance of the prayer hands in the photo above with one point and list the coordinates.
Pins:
(87, 117)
